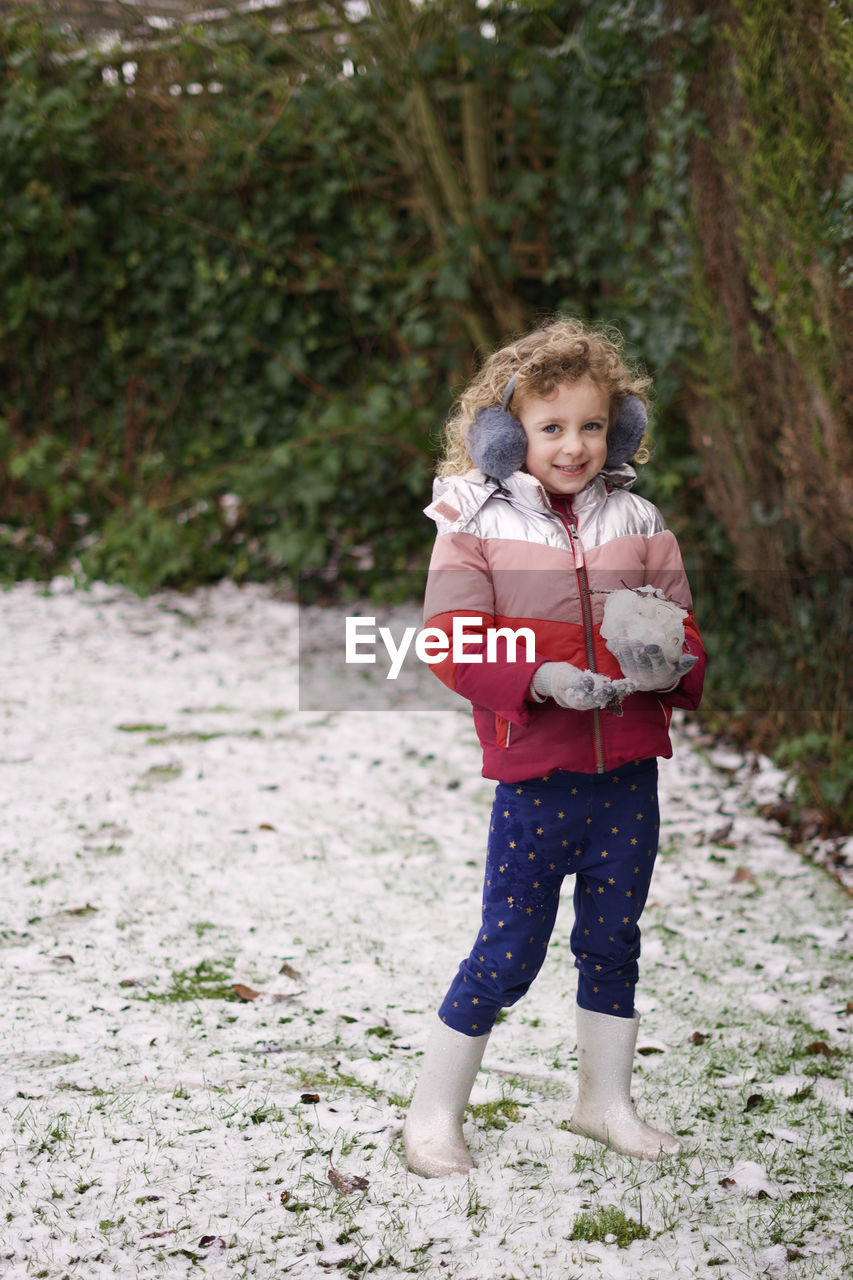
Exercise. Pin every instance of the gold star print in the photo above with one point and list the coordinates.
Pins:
(511, 901)
(551, 865)
(595, 991)
(601, 919)
(506, 813)
(493, 974)
(639, 817)
(625, 920)
(540, 831)
(502, 869)
(629, 894)
(512, 844)
(537, 802)
(474, 1026)
(607, 804)
(485, 938)
(598, 968)
(636, 871)
(586, 933)
(479, 975)
(561, 814)
(535, 884)
(519, 791)
(633, 786)
(601, 888)
(509, 955)
(584, 955)
(476, 1000)
(616, 1006)
(588, 821)
(565, 844)
(455, 1004)
(531, 857)
(633, 839)
(574, 791)
(482, 959)
(500, 924)
(614, 831)
(611, 881)
(615, 779)
(605, 853)
(545, 777)
(529, 911)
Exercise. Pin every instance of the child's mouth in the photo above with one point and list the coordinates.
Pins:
(571, 471)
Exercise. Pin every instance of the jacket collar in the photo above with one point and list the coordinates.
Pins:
(457, 499)
(526, 490)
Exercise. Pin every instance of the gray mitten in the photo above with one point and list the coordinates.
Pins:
(577, 690)
(647, 666)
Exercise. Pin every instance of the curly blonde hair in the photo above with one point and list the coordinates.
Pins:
(563, 351)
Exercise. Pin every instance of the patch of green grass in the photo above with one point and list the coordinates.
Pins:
(207, 981)
(162, 773)
(608, 1222)
(197, 736)
(496, 1115)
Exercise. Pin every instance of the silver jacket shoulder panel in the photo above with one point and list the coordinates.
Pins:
(519, 509)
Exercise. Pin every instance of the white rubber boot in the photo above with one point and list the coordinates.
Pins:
(432, 1133)
(604, 1110)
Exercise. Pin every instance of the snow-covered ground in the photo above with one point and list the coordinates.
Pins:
(175, 825)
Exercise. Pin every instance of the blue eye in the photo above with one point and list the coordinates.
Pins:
(593, 426)
(551, 427)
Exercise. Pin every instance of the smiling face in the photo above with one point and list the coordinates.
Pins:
(566, 435)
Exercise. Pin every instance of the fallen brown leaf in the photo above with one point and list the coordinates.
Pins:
(346, 1183)
(244, 993)
(820, 1046)
(743, 875)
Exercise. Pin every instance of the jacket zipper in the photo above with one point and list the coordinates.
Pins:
(571, 526)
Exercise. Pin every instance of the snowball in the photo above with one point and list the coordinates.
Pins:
(647, 616)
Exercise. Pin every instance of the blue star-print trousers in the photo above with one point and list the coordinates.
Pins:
(601, 828)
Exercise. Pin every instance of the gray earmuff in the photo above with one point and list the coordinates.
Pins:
(498, 446)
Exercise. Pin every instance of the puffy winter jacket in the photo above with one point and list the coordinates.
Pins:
(510, 555)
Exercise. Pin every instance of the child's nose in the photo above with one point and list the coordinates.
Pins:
(572, 445)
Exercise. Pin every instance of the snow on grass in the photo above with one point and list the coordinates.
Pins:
(174, 825)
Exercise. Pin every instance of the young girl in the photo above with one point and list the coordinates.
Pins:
(536, 525)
